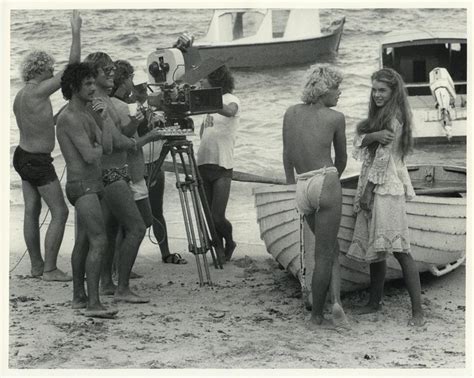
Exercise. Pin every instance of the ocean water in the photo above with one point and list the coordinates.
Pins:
(265, 94)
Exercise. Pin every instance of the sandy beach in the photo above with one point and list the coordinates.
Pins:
(252, 317)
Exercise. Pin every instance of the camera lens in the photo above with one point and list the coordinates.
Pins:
(154, 69)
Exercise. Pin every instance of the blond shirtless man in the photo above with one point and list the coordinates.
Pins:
(83, 137)
(32, 158)
(309, 131)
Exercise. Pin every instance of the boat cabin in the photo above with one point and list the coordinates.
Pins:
(415, 53)
(261, 25)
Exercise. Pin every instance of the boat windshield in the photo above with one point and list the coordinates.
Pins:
(415, 61)
(236, 25)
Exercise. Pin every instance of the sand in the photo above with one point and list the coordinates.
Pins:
(252, 317)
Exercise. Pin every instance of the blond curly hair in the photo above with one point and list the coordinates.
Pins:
(36, 62)
(321, 79)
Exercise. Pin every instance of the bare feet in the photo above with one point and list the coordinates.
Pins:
(80, 302)
(129, 296)
(134, 275)
(339, 318)
(417, 321)
(37, 269)
(109, 289)
(368, 309)
(229, 250)
(100, 311)
(56, 275)
(319, 322)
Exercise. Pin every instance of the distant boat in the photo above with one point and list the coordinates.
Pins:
(415, 54)
(266, 37)
(437, 220)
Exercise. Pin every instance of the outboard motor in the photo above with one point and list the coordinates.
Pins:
(443, 91)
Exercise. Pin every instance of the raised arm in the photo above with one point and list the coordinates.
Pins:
(287, 162)
(76, 23)
(340, 147)
(47, 87)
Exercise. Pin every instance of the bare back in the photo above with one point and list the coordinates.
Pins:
(77, 137)
(308, 134)
(34, 117)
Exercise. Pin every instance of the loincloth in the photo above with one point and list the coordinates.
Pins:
(309, 186)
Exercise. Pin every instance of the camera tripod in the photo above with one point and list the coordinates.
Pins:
(200, 230)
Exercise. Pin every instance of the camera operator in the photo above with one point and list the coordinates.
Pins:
(120, 209)
(156, 189)
(215, 157)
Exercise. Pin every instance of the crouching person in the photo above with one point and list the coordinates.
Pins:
(83, 137)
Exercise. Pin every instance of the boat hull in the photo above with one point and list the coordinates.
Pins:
(437, 229)
(275, 53)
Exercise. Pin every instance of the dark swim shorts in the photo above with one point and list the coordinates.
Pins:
(79, 188)
(111, 175)
(35, 168)
(212, 172)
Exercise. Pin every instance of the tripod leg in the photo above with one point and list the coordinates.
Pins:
(199, 209)
(190, 184)
(192, 245)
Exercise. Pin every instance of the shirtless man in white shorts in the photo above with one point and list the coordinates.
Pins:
(309, 131)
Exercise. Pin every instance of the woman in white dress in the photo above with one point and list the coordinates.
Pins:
(382, 143)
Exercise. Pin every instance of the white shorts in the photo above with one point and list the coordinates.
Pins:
(139, 190)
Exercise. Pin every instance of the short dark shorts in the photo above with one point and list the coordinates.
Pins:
(35, 168)
(77, 189)
(111, 175)
(212, 172)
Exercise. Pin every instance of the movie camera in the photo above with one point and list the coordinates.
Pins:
(172, 75)
(172, 98)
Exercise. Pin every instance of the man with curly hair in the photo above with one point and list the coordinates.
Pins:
(309, 131)
(32, 158)
(84, 136)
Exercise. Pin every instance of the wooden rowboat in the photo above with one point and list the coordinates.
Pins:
(437, 220)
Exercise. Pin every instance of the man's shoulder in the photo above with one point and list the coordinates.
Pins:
(293, 109)
(336, 115)
(67, 117)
